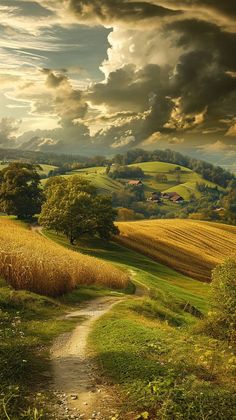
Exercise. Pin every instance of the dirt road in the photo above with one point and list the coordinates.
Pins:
(74, 371)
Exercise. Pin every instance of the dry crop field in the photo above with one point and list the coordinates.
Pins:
(191, 247)
(32, 262)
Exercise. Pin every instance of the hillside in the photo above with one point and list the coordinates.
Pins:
(29, 261)
(98, 177)
(45, 169)
(190, 247)
(184, 182)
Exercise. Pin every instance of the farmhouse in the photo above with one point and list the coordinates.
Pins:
(177, 199)
(135, 183)
(172, 196)
(155, 198)
(169, 195)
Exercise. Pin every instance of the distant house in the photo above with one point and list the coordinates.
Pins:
(169, 195)
(155, 198)
(173, 196)
(135, 183)
(177, 199)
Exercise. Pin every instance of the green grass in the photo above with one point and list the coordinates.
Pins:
(161, 369)
(99, 179)
(188, 179)
(185, 186)
(46, 169)
(159, 167)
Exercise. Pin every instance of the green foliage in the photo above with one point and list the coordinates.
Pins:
(223, 316)
(20, 194)
(73, 208)
(127, 172)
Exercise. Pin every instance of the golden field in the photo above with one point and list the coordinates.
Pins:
(191, 247)
(30, 261)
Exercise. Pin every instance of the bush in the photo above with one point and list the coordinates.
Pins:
(222, 318)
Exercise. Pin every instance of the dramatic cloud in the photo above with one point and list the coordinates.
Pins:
(108, 75)
(8, 129)
(112, 11)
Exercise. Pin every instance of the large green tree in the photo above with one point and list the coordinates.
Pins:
(73, 208)
(20, 192)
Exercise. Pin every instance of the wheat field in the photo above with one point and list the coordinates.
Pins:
(32, 262)
(191, 247)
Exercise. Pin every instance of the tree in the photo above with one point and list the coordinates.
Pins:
(104, 217)
(20, 192)
(229, 204)
(73, 208)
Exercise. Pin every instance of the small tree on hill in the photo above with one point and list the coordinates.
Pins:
(20, 193)
(73, 208)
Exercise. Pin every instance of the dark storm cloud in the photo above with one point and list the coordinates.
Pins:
(108, 11)
(129, 89)
(197, 34)
(200, 80)
(227, 7)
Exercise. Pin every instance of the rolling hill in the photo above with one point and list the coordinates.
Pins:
(183, 183)
(98, 177)
(190, 247)
(45, 169)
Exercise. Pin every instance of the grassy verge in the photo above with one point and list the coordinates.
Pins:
(161, 366)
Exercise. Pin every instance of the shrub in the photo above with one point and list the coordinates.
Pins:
(223, 293)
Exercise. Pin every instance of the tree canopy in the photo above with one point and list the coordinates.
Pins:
(20, 193)
(73, 208)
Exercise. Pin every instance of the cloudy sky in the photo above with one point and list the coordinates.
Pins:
(103, 76)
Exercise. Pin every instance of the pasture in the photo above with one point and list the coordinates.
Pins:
(193, 248)
(183, 182)
(97, 176)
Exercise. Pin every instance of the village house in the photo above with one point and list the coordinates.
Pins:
(135, 183)
(173, 196)
(155, 198)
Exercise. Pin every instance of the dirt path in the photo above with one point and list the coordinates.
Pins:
(74, 371)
